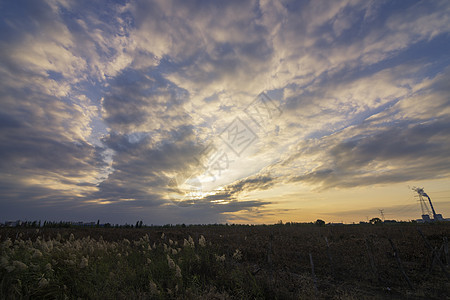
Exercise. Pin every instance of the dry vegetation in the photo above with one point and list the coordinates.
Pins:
(223, 262)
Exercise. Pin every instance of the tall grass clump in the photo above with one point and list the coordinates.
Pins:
(88, 268)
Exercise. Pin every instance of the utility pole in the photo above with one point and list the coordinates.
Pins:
(382, 214)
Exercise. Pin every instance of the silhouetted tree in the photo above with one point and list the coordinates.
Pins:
(319, 222)
(375, 221)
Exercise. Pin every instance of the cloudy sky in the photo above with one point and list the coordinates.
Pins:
(223, 111)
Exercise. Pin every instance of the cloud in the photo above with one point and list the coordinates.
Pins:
(253, 183)
(142, 171)
(374, 171)
(403, 142)
(139, 102)
(48, 156)
(232, 192)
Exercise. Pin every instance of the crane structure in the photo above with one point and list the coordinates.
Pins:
(426, 213)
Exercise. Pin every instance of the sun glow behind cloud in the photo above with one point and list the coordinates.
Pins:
(108, 108)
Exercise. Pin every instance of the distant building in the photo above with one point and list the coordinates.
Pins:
(335, 224)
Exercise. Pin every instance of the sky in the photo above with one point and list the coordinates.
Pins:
(202, 111)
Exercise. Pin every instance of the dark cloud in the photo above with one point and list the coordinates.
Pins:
(233, 190)
(140, 168)
(394, 154)
(42, 168)
(151, 137)
(36, 18)
(48, 163)
(205, 52)
(42, 134)
(141, 101)
(8, 122)
(253, 183)
(145, 161)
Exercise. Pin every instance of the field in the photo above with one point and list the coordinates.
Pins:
(226, 262)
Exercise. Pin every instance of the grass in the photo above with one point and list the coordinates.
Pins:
(219, 262)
